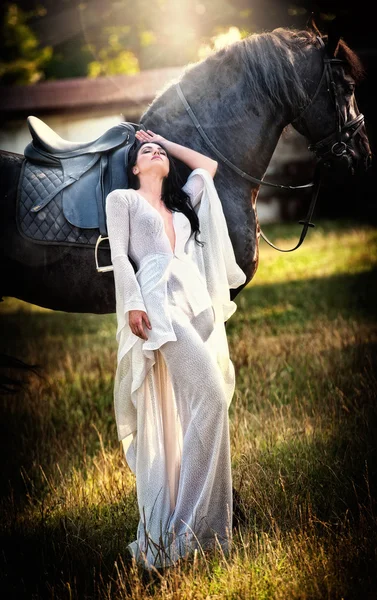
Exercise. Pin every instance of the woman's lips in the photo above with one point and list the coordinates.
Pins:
(158, 157)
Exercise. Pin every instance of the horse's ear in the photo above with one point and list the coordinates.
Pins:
(311, 24)
(333, 37)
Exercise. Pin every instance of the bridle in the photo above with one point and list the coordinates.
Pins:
(336, 144)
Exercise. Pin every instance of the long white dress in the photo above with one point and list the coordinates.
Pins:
(172, 392)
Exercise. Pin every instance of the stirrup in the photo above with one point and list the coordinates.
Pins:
(101, 269)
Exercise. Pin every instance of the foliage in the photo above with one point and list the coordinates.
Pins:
(113, 59)
(158, 34)
(115, 37)
(94, 38)
(23, 60)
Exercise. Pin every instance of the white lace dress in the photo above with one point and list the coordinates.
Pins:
(172, 392)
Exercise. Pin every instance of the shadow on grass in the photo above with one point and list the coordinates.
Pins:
(295, 304)
(71, 557)
(332, 469)
(49, 414)
(326, 482)
(22, 325)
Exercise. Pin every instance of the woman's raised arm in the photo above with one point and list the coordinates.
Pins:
(191, 158)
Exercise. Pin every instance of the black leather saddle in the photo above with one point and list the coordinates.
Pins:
(63, 185)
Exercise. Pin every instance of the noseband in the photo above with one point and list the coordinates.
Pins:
(336, 144)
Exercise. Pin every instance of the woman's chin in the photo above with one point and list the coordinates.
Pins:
(157, 167)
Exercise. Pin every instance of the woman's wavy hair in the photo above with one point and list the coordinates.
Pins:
(174, 197)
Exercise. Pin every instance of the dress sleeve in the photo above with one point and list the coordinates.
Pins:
(194, 186)
(127, 289)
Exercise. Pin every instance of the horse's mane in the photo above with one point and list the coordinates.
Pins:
(267, 61)
(295, 39)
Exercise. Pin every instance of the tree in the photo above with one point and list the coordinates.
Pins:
(73, 38)
(23, 60)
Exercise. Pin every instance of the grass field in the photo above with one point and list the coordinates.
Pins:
(303, 434)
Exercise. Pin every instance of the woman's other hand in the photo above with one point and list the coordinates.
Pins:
(137, 319)
(149, 136)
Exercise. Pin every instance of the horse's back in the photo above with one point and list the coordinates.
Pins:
(10, 170)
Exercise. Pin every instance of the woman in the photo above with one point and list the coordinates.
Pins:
(174, 379)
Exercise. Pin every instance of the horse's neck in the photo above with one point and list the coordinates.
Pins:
(261, 136)
(247, 138)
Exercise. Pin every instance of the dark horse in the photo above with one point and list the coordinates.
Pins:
(243, 96)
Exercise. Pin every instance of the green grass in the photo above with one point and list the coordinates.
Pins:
(303, 433)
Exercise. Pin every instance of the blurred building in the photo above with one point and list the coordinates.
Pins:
(291, 164)
(78, 109)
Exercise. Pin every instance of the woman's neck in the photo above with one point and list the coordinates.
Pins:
(151, 187)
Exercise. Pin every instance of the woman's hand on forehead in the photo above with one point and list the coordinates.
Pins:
(149, 136)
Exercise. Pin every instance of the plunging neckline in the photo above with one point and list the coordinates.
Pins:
(163, 222)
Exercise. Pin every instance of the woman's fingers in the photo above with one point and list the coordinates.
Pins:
(137, 319)
(139, 331)
(145, 135)
(149, 136)
(147, 321)
(142, 333)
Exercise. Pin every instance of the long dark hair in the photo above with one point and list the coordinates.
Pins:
(175, 199)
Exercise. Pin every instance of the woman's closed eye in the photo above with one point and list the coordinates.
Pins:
(147, 150)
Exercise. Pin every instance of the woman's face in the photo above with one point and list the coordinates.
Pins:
(152, 158)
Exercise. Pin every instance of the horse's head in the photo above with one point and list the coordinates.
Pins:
(331, 120)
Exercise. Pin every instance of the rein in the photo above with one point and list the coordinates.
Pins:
(337, 143)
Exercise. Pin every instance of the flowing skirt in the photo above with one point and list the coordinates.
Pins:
(182, 447)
